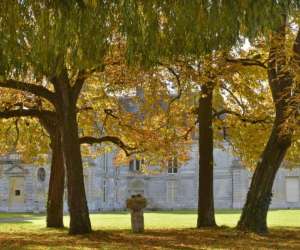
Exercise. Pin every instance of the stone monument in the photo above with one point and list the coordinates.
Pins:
(136, 205)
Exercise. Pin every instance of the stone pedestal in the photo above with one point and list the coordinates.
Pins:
(136, 205)
(137, 221)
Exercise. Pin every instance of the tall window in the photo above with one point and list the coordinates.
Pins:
(105, 162)
(116, 190)
(104, 191)
(173, 166)
(135, 165)
(171, 191)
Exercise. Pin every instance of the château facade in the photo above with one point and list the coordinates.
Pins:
(23, 187)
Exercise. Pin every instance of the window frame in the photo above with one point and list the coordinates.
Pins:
(135, 165)
(173, 166)
(104, 198)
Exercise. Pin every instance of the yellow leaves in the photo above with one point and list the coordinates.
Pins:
(25, 137)
(91, 3)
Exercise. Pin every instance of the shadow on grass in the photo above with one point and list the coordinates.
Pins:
(188, 239)
(17, 220)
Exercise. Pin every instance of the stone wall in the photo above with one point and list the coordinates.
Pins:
(108, 187)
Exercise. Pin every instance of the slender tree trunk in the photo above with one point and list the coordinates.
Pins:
(57, 175)
(206, 213)
(56, 183)
(254, 214)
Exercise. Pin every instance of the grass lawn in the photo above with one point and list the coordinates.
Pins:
(164, 230)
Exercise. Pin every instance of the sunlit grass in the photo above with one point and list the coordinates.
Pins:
(164, 230)
(153, 220)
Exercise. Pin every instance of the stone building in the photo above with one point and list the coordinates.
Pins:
(23, 188)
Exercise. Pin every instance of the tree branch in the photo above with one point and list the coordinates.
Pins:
(113, 139)
(239, 102)
(247, 62)
(76, 89)
(242, 118)
(37, 90)
(43, 114)
(295, 62)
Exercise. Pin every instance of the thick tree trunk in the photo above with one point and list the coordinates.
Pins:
(206, 213)
(56, 183)
(65, 105)
(254, 214)
(66, 108)
(79, 213)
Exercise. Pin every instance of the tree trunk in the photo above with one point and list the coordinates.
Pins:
(65, 105)
(254, 214)
(56, 183)
(79, 213)
(206, 213)
(66, 108)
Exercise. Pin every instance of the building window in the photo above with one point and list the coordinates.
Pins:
(104, 191)
(41, 174)
(131, 165)
(171, 191)
(117, 171)
(105, 162)
(292, 189)
(135, 165)
(17, 192)
(173, 166)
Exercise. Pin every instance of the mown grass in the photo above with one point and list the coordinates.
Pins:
(164, 230)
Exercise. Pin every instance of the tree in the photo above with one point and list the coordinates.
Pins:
(19, 113)
(50, 49)
(191, 30)
(283, 82)
(208, 88)
(49, 54)
(99, 107)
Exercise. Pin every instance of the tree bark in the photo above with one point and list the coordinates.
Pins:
(79, 213)
(66, 108)
(56, 183)
(57, 175)
(254, 214)
(206, 213)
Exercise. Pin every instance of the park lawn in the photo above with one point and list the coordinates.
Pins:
(164, 230)
(15, 215)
